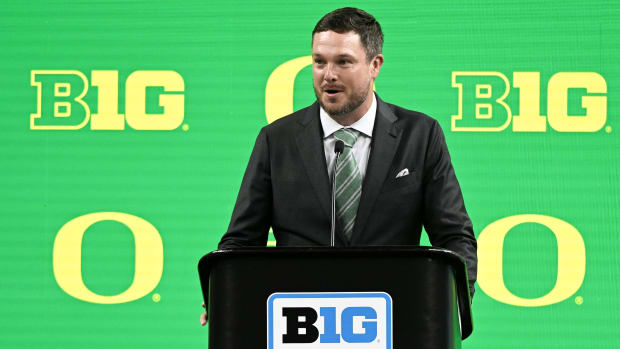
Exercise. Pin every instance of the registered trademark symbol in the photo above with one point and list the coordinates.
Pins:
(608, 129)
(185, 127)
(156, 297)
(579, 300)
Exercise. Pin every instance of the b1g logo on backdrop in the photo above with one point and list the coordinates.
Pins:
(576, 102)
(361, 320)
(61, 104)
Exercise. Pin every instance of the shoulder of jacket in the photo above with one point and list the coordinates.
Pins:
(412, 117)
(286, 122)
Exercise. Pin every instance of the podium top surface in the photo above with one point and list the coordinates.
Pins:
(368, 251)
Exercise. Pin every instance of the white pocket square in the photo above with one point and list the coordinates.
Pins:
(403, 173)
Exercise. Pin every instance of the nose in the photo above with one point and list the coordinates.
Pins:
(330, 73)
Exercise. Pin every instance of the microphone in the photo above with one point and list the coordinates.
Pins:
(338, 148)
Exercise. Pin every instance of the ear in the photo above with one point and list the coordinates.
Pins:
(375, 65)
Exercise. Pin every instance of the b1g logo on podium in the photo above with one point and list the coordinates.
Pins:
(361, 320)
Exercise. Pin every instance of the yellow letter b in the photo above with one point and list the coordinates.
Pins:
(59, 100)
(481, 101)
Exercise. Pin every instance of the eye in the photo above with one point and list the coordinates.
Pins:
(344, 62)
(318, 61)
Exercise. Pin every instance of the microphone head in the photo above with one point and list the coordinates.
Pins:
(339, 147)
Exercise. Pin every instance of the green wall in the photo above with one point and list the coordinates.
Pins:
(183, 180)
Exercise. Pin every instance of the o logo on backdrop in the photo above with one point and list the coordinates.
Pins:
(61, 105)
(279, 89)
(67, 257)
(482, 106)
(571, 260)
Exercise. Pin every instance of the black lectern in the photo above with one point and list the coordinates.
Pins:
(371, 297)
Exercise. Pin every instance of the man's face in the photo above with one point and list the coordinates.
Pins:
(341, 73)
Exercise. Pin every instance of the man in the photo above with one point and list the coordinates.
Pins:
(393, 176)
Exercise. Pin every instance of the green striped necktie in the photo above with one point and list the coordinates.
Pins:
(348, 182)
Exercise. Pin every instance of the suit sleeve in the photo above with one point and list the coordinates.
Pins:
(445, 218)
(251, 218)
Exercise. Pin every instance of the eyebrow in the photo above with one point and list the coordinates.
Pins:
(344, 55)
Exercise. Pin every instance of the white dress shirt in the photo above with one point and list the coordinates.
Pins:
(361, 149)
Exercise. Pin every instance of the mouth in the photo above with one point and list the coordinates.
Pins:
(332, 92)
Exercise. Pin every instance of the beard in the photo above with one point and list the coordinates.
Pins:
(350, 105)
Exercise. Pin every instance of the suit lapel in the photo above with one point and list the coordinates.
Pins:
(385, 139)
(310, 145)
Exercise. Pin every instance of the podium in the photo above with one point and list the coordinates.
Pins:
(370, 297)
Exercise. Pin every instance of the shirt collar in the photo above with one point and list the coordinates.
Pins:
(364, 125)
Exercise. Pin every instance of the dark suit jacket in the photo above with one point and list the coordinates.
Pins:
(286, 186)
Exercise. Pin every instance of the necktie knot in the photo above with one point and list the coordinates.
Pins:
(347, 135)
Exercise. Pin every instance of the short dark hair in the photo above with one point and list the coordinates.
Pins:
(344, 20)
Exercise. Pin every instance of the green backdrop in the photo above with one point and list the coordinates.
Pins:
(183, 180)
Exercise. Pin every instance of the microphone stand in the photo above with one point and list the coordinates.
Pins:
(338, 148)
